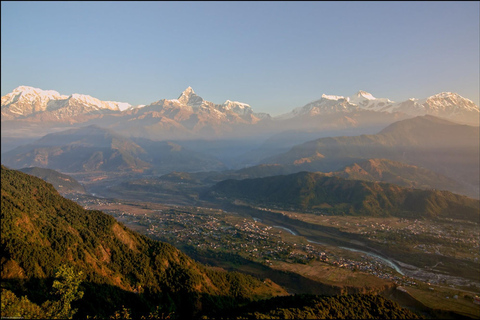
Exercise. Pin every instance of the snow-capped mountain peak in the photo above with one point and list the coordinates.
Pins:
(448, 102)
(25, 100)
(367, 101)
(237, 107)
(190, 98)
(31, 94)
(364, 94)
(26, 90)
(187, 93)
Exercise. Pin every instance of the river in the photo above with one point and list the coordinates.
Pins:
(390, 263)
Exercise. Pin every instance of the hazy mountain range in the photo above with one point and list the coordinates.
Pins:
(28, 111)
(95, 149)
(445, 147)
(422, 152)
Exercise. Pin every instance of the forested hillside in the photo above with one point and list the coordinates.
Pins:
(42, 231)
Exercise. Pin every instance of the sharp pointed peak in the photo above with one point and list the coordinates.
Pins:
(187, 91)
(189, 97)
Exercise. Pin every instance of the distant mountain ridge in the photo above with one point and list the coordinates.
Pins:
(188, 116)
(27, 102)
(91, 149)
(447, 105)
(436, 144)
(401, 174)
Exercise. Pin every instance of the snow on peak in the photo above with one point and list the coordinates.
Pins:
(187, 92)
(189, 98)
(31, 91)
(25, 100)
(99, 104)
(450, 96)
(332, 97)
(232, 104)
(85, 99)
(365, 95)
(449, 101)
(237, 107)
(445, 95)
(367, 101)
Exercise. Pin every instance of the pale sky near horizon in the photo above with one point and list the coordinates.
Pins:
(275, 56)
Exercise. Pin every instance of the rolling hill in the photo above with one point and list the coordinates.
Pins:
(333, 195)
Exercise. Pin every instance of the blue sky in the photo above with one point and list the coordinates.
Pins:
(275, 56)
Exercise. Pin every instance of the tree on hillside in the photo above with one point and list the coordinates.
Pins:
(66, 288)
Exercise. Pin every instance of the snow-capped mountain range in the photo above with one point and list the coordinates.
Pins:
(26, 101)
(446, 104)
(191, 116)
(191, 99)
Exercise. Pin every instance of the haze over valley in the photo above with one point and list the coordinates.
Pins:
(207, 160)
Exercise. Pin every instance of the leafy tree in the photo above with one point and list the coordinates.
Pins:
(66, 287)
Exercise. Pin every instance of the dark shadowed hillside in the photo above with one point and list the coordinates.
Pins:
(315, 307)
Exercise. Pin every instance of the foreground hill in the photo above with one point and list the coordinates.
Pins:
(121, 267)
(61, 182)
(319, 192)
